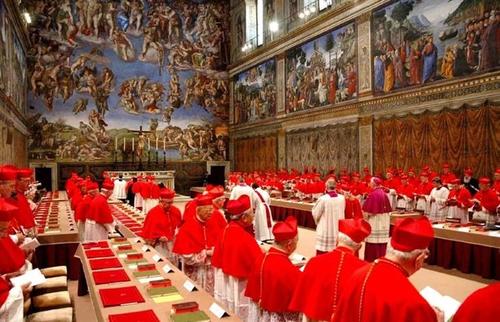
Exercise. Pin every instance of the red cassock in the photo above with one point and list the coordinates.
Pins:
(155, 191)
(24, 215)
(75, 199)
(381, 292)
(358, 188)
(352, 209)
(497, 186)
(424, 188)
(195, 236)
(145, 190)
(489, 199)
(189, 210)
(447, 178)
(4, 291)
(236, 252)
(218, 219)
(12, 256)
(405, 190)
(83, 208)
(100, 211)
(278, 278)
(160, 223)
(319, 287)
(481, 306)
(136, 187)
(462, 196)
(391, 183)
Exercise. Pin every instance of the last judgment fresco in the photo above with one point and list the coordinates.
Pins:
(129, 79)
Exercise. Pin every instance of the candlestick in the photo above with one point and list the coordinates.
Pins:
(124, 143)
(133, 145)
(156, 143)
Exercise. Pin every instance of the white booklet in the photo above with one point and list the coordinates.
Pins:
(34, 277)
(445, 303)
(30, 243)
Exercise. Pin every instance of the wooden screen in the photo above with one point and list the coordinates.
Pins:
(256, 153)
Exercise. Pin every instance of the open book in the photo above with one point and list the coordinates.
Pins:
(445, 303)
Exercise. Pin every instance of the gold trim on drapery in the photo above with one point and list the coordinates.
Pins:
(468, 136)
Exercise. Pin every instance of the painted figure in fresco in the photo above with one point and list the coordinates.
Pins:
(110, 18)
(123, 47)
(136, 13)
(430, 54)
(65, 23)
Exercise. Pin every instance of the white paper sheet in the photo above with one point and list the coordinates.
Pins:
(35, 277)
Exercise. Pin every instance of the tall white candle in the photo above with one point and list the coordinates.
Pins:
(116, 143)
(164, 144)
(133, 145)
(156, 143)
(149, 143)
(124, 143)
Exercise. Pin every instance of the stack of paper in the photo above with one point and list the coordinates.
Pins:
(445, 303)
(164, 294)
(34, 277)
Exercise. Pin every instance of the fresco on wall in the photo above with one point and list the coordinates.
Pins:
(417, 42)
(323, 71)
(3, 48)
(254, 95)
(125, 80)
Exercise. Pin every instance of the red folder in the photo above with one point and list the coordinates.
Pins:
(141, 316)
(104, 252)
(110, 276)
(102, 263)
(120, 296)
(99, 244)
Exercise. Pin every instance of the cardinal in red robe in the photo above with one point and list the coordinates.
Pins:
(234, 257)
(459, 201)
(320, 286)
(405, 194)
(352, 204)
(381, 291)
(486, 201)
(83, 207)
(161, 225)
(195, 242)
(100, 222)
(480, 306)
(273, 280)
(13, 258)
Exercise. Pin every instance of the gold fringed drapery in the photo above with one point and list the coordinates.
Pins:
(256, 153)
(469, 136)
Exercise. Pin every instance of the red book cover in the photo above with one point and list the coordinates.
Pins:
(146, 267)
(100, 244)
(135, 256)
(120, 296)
(119, 239)
(95, 253)
(102, 263)
(140, 316)
(110, 276)
(162, 283)
(125, 247)
(185, 307)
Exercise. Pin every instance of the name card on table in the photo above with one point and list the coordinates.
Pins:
(167, 269)
(145, 248)
(217, 311)
(157, 258)
(189, 286)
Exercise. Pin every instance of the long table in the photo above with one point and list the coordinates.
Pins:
(163, 310)
(468, 251)
(57, 234)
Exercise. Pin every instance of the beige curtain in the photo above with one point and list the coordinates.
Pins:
(469, 136)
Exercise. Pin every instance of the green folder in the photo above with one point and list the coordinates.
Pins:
(153, 272)
(198, 316)
(159, 291)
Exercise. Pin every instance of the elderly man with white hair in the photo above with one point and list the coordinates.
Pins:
(377, 211)
(320, 286)
(382, 292)
(327, 212)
